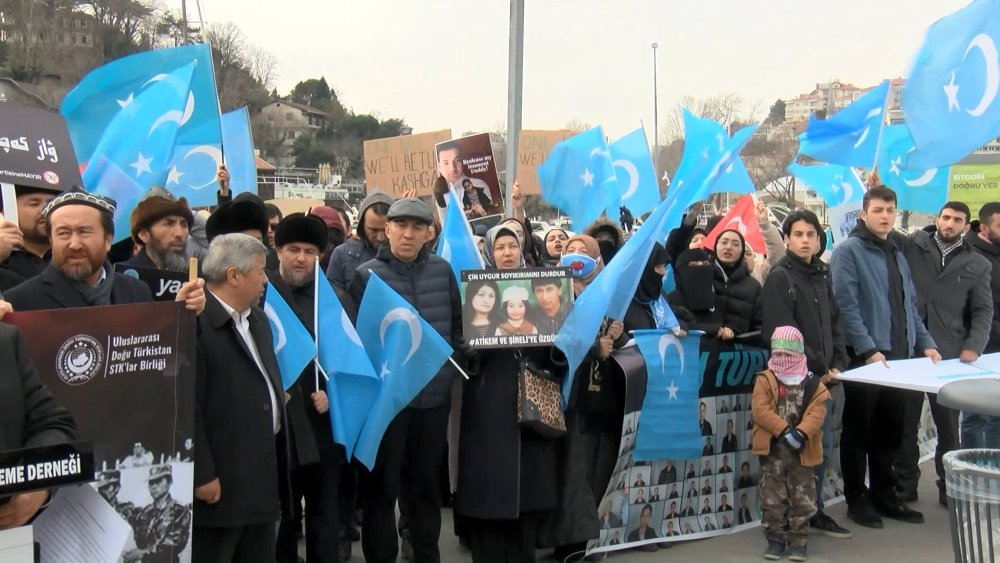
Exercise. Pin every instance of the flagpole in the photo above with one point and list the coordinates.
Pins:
(878, 141)
(316, 322)
(460, 370)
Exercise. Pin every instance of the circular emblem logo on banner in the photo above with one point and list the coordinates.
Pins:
(51, 177)
(79, 359)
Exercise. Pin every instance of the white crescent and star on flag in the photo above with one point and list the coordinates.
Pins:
(986, 45)
(416, 333)
(666, 341)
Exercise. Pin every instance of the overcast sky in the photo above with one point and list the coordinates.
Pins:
(443, 63)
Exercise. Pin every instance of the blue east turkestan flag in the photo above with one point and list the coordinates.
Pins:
(950, 102)
(137, 144)
(924, 191)
(835, 184)
(669, 428)
(106, 90)
(639, 190)
(352, 384)
(293, 345)
(456, 244)
(578, 177)
(850, 136)
(610, 293)
(710, 163)
(192, 172)
(406, 351)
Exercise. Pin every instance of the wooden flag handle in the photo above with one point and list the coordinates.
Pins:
(192, 269)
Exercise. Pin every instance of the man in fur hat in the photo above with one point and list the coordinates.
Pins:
(316, 459)
(160, 224)
(245, 213)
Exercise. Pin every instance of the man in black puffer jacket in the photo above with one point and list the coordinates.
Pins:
(413, 446)
(798, 292)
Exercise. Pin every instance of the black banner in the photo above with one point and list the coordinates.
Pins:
(35, 149)
(126, 372)
(45, 467)
(163, 283)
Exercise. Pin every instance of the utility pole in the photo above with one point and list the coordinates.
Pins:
(515, 66)
(656, 120)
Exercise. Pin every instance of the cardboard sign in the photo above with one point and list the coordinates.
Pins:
(35, 149)
(504, 308)
(533, 147)
(397, 164)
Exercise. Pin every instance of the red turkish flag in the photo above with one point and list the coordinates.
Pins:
(742, 217)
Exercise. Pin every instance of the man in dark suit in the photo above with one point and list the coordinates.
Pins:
(239, 411)
(81, 228)
(315, 459)
(29, 418)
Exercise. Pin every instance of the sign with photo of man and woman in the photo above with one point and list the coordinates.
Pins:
(502, 308)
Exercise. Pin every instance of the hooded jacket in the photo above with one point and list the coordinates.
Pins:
(768, 425)
(991, 252)
(800, 294)
(346, 258)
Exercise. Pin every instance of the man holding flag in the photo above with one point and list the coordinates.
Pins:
(315, 458)
(413, 445)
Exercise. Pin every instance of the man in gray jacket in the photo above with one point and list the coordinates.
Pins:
(878, 306)
(956, 306)
(413, 446)
(346, 258)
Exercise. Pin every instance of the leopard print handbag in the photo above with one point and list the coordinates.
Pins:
(538, 396)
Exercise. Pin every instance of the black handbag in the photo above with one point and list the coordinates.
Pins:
(538, 400)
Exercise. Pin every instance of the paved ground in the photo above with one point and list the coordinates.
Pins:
(930, 541)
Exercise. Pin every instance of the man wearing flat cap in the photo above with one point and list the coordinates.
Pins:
(81, 227)
(163, 526)
(409, 268)
(315, 459)
(160, 224)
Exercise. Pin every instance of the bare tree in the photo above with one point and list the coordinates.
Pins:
(767, 163)
(124, 26)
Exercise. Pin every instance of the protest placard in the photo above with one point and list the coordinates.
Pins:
(466, 166)
(502, 308)
(397, 164)
(533, 147)
(128, 380)
(164, 284)
(35, 149)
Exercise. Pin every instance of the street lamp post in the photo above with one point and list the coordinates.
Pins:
(656, 121)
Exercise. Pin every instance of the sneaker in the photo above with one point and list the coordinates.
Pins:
(828, 527)
(405, 549)
(899, 511)
(797, 553)
(775, 549)
(864, 514)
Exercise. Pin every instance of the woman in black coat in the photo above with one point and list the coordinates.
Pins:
(718, 289)
(506, 475)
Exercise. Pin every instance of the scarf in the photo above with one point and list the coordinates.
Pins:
(100, 294)
(944, 248)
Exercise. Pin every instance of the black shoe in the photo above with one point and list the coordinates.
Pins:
(899, 511)
(906, 494)
(863, 513)
(828, 527)
(943, 497)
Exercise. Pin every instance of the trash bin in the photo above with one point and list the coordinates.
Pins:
(973, 480)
